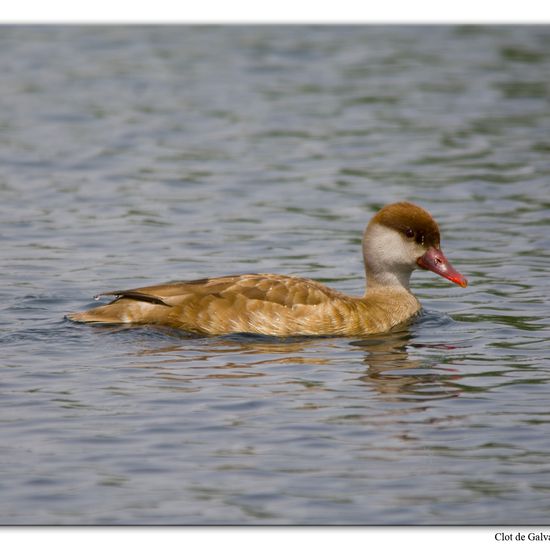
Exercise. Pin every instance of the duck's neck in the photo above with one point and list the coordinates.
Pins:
(389, 281)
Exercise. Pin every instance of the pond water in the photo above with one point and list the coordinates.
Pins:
(138, 155)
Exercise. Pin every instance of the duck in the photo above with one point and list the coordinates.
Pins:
(400, 238)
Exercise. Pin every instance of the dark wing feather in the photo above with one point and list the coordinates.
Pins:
(135, 295)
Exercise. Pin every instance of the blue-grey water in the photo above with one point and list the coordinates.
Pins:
(138, 155)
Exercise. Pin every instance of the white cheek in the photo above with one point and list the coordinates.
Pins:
(388, 247)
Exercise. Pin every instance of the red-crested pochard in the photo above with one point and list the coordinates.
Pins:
(400, 238)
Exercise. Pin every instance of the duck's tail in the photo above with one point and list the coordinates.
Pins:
(129, 306)
(108, 314)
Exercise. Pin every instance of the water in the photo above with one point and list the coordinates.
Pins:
(131, 156)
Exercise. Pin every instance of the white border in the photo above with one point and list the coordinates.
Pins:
(280, 11)
(268, 538)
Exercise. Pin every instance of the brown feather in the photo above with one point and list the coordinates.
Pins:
(402, 216)
(263, 304)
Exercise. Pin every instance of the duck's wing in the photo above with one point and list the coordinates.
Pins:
(278, 289)
(217, 297)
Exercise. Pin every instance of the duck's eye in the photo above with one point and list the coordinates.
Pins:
(409, 233)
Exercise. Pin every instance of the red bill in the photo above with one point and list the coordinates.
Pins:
(434, 260)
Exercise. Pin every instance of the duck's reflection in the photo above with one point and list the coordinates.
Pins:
(393, 371)
(392, 367)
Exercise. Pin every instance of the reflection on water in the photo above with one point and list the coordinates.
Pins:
(390, 370)
(398, 376)
(136, 155)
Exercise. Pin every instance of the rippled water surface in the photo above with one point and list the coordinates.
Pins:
(131, 156)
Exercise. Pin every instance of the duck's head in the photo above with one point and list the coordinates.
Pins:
(400, 238)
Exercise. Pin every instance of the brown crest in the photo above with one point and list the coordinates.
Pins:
(410, 220)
